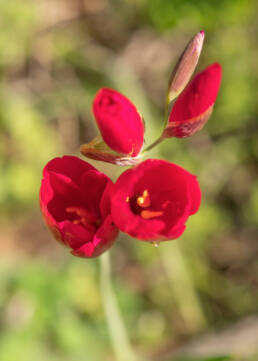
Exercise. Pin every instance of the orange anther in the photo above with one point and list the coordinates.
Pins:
(150, 214)
(144, 200)
(84, 217)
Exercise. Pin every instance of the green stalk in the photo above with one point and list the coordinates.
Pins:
(117, 331)
(159, 140)
(168, 105)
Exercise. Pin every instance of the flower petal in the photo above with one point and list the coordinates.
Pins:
(119, 122)
(103, 240)
(173, 196)
(193, 107)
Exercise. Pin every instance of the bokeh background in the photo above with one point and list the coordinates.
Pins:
(191, 299)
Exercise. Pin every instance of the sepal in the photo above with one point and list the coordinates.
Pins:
(97, 149)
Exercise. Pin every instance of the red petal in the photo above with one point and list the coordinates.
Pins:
(119, 122)
(92, 187)
(187, 128)
(70, 166)
(74, 235)
(195, 193)
(73, 188)
(122, 214)
(194, 105)
(174, 196)
(103, 240)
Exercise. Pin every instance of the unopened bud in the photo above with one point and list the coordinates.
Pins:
(185, 66)
(194, 105)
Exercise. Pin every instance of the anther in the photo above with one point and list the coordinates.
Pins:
(144, 200)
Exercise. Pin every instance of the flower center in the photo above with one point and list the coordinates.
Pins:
(82, 216)
(141, 203)
(144, 200)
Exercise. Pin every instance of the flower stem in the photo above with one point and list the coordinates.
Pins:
(168, 106)
(118, 334)
(159, 140)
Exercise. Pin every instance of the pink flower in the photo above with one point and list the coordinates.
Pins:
(119, 122)
(154, 200)
(194, 105)
(75, 203)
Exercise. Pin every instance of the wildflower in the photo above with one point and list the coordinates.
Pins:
(75, 203)
(153, 200)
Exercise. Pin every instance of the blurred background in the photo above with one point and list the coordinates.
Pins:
(191, 299)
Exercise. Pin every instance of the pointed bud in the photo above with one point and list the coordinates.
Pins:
(119, 122)
(185, 66)
(97, 149)
(194, 106)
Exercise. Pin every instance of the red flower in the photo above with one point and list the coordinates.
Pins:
(75, 203)
(154, 200)
(194, 105)
(119, 122)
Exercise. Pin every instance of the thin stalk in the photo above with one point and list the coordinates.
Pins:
(118, 334)
(168, 105)
(159, 140)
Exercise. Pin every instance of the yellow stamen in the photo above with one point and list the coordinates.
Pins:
(144, 200)
(84, 216)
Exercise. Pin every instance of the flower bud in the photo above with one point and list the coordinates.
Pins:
(119, 122)
(194, 106)
(185, 66)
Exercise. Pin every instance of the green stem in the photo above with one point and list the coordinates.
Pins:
(159, 140)
(118, 334)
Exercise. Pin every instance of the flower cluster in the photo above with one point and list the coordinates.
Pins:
(150, 201)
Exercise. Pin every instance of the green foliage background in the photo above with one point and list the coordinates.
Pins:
(55, 54)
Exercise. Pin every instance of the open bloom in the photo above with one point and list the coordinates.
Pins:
(75, 203)
(194, 105)
(153, 200)
(119, 122)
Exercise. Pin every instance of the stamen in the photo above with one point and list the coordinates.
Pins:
(150, 214)
(84, 216)
(77, 210)
(76, 221)
(144, 200)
